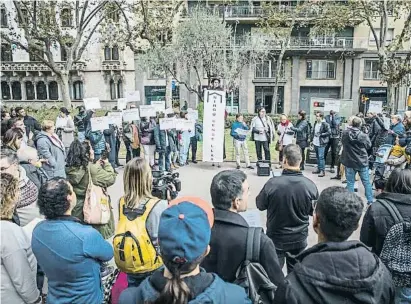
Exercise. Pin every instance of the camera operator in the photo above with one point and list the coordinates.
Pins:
(166, 185)
(138, 182)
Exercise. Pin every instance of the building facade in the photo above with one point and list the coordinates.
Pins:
(343, 65)
(106, 69)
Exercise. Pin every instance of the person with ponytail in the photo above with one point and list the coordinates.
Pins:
(184, 237)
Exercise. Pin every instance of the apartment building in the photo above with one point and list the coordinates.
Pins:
(106, 70)
(343, 65)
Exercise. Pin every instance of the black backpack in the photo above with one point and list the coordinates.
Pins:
(251, 275)
(396, 250)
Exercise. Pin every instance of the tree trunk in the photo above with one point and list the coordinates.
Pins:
(169, 90)
(391, 98)
(277, 78)
(63, 80)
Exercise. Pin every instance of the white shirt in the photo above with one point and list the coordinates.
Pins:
(316, 140)
(286, 139)
(260, 127)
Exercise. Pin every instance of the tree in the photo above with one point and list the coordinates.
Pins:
(44, 25)
(394, 61)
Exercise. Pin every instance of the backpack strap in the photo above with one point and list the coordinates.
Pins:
(253, 244)
(393, 210)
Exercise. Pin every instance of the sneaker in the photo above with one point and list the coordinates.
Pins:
(194, 161)
(316, 172)
(176, 166)
(250, 167)
(336, 177)
(302, 168)
(344, 182)
(238, 167)
(322, 174)
(332, 170)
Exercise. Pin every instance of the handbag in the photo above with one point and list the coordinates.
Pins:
(108, 283)
(279, 143)
(96, 207)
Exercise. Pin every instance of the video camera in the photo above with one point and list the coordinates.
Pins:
(166, 185)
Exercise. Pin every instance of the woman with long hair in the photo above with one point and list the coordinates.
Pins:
(13, 139)
(79, 167)
(184, 237)
(138, 182)
(302, 130)
(378, 222)
(18, 264)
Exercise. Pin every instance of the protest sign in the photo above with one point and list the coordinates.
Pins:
(147, 111)
(131, 115)
(121, 103)
(375, 106)
(332, 105)
(179, 123)
(99, 123)
(169, 111)
(160, 105)
(167, 123)
(213, 126)
(92, 103)
(192, 114)
(116, 118)
(242, 132)
(252, 217)
(132, 96)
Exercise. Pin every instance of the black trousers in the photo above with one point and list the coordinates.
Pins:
(193, 144)
(259, 146)
(117, 150)
(333, 144)
(131, 153)
(283, 255)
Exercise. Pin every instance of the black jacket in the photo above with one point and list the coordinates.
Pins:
(79, 121)
(302, 130)
(37, 175)
(355, 148)
(228, 248)
(32, 125)
(288, 201)
(376, 125)
(334, 125)
(325, 133)
(377, 220)
(337, 273)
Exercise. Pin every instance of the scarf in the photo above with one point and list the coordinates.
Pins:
(285, 124)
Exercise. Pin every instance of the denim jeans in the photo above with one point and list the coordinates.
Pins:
(81, 136)
(365, 179)
(402, 295)
(319, 153)
(164, 160)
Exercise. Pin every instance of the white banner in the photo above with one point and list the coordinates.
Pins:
(121, 103)
(167, 123)
(130, 115)
(375, 106)
(116, 118)
(332, 105)
(147, 111)
(160, 105)
(213, 126)
(92, 103)
(100, 123)
(133, 96)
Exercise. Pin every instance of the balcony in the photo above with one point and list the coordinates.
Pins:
(236, 11)
(112, 65)
(372, 75)
(36, 66)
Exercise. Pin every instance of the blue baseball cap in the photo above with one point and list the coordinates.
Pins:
(184, 233)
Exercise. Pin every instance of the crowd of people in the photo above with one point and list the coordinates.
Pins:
(59, 235)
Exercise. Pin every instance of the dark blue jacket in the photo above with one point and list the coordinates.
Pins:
(238, 125)
(398, 130)
(217, 293)
(70, 253)
(97, 140)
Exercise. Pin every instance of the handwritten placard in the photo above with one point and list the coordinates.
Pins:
(167, 123)
(169, 111)
(160, 105)
(92, 103)
(375, 106)
(147, 111)
(99, 123)
(132, 96)
(332, 105)
(192, 114)
(131, 115)
(121, 103)
(252, 217)
(241, 132)
(187, 125)
(116, 118)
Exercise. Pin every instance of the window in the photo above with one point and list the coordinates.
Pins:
(63, 54)
(4, 18)
(111, 53)
(320, 69)
(371, 69)
(16, 90)
(6, 53)
(41, 90)
(78, 90)
(30, 95)
(120, 89)
(66, 18)
(112, 89)
(53, 90)
(25, 18)
(114, 15)
(389, 36)
(267, 69)
(5, 90)
(35, 55)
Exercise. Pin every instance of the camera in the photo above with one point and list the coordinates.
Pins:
(166, 185)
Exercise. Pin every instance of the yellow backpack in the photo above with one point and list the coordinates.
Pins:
(133, 250)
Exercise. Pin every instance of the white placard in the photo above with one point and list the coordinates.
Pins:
(192, 114)
(252, 217)
(213, 134)
(116, 118)
(121, 103)
(241, 131)
(332, 105)
(99, 123)
(92, 103)
(182, 124)
(167, 123)
(169, 111)
(131, 115)
(132, 96)
(375, 106)
(160, 105)
(147, 111)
